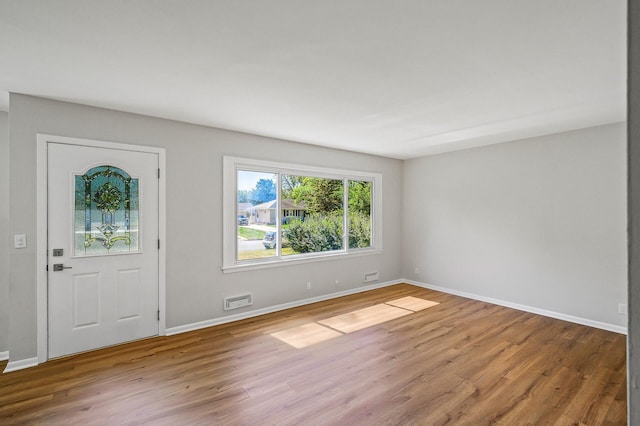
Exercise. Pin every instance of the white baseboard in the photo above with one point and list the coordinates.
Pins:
(21, 364)
(276, 308)
(531, 309)
(4, 355)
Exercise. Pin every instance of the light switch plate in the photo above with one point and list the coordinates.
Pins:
(20, 241)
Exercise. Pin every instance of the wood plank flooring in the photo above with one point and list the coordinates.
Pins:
(459, 362)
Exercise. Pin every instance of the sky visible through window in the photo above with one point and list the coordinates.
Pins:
(247, 180)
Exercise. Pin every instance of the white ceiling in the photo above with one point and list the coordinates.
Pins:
(399, 78)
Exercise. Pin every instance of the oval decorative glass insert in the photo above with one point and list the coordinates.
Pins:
(106, 212)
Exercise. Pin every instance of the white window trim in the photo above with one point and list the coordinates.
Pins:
(230, 205)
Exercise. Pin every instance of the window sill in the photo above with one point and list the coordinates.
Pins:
(299, 260)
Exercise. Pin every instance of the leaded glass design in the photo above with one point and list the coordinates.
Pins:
(106, 212)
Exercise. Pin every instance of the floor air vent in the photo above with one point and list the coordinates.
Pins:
(236, 302)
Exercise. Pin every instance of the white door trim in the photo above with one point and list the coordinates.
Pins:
(42, 231)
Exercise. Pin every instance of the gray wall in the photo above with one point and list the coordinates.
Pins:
(633, 340)
(539, 222)
(4, 231)
(195, 284)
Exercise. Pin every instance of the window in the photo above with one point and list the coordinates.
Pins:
(257, 200)
(106, 212)
(317, 223)
(276, 213)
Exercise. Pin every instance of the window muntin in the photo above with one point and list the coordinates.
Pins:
(298, 202)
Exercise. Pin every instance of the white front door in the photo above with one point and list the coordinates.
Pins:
(102, 247)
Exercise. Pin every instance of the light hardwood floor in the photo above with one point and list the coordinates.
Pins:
(457, 362)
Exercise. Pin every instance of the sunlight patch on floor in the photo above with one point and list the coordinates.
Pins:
(316, 332)
(306, 335)
(364, 318)
(414, 304)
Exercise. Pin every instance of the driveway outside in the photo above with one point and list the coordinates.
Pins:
(250, 245)
(253, 245)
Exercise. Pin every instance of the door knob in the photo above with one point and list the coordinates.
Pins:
(59, 267)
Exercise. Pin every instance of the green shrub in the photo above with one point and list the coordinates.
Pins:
(316, 233)
(321, 232)
(359, 230)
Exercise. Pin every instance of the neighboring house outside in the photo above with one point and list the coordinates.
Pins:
(245, 210)
(267, 212)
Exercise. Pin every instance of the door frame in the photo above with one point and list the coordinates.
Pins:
(43, 141)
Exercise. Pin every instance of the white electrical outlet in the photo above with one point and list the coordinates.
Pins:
(416, 271)
(308, 285)
(20, 241)
(337, 283)
(622, 308)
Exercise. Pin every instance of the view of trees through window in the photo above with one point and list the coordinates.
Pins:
(313, 215)
(321, 226)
